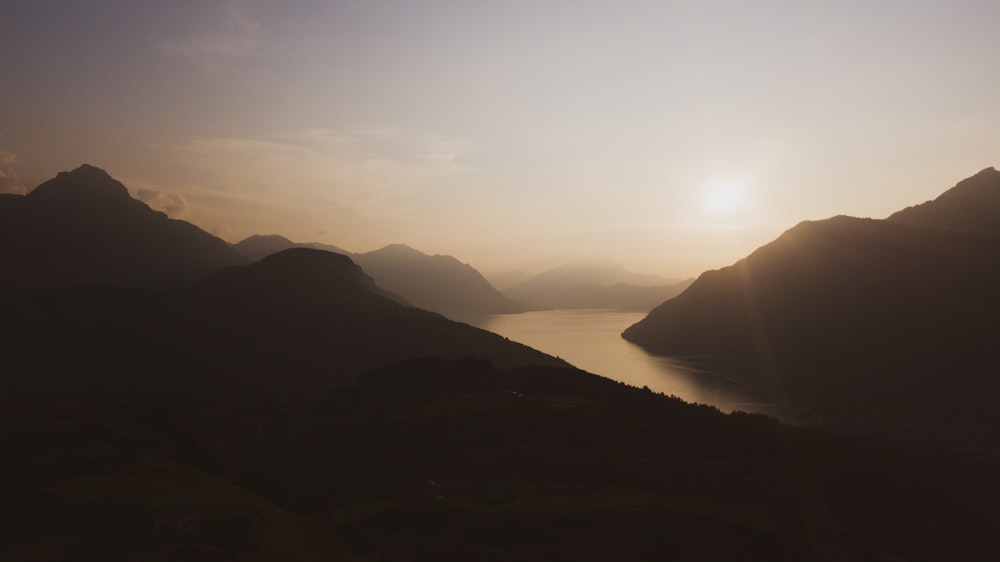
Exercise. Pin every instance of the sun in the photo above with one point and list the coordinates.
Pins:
(724, 196)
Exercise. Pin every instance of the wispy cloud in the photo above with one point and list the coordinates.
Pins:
(234, 36)
(174, 205)
(362, 184)
(362, 166)
(9, 181)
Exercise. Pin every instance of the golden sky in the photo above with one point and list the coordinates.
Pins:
(671, 136)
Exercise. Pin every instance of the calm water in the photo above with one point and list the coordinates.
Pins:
(591, 340)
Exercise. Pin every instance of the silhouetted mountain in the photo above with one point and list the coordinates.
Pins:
(303, 275)
(595, 285)
(259, 246)
(83, 228)
(144, 424)
(971, 207)
(887, 325)
(438, 283)
(296, 323)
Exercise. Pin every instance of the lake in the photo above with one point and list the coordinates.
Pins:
(591, 340)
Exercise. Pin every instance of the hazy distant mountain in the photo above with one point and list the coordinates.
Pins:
(259, 246)
(595, 285)
(506, 279)
(83, 228)
(438, 283)
(877, 323)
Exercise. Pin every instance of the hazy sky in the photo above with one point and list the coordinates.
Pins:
(671, 136)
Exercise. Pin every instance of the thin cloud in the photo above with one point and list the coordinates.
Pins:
(367, 166)
(9, 181)
(235, 36)
(357, 185)
(174, 205)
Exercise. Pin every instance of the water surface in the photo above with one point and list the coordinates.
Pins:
(591, 340)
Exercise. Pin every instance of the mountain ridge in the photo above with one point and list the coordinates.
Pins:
(854, 315)
(83, 228)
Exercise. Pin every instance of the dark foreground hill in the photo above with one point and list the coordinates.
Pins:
(880, 325)
(457, 461)
(82, 228)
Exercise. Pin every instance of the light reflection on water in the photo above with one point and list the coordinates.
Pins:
(591, 340)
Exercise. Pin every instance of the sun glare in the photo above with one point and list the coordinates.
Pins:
(724, 196)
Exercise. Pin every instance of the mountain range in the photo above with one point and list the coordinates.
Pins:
(438, 283)
(881, 325)
(294, 409)
(140, 303)
(595, 285)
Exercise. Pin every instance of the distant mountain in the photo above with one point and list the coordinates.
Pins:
(83, 228)
(620, 296)
(595, 285)
(889, 324)
(438, 283)
(506, 279)
(258, 246)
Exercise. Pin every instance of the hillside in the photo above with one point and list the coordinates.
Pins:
(455, 460)
(880, 325)
(258, 246)
(83, 228)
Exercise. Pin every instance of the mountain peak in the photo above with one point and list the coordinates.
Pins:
(83, 228)
(400, 249)
(304, 275)
(82, 184)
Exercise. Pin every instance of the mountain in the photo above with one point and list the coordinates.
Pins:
(297, 323)
(438, 283)
(303, 275)
(971, 207)
(83, 228)
(879, 325)
(259, 246)
(595, 285)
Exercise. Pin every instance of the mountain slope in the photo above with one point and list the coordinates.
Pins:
(878, 323)
(258, 247)
(297, 323)
(83, 228)
(439, 283)
(302, 275)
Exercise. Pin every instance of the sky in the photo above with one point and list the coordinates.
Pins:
(672, 137)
